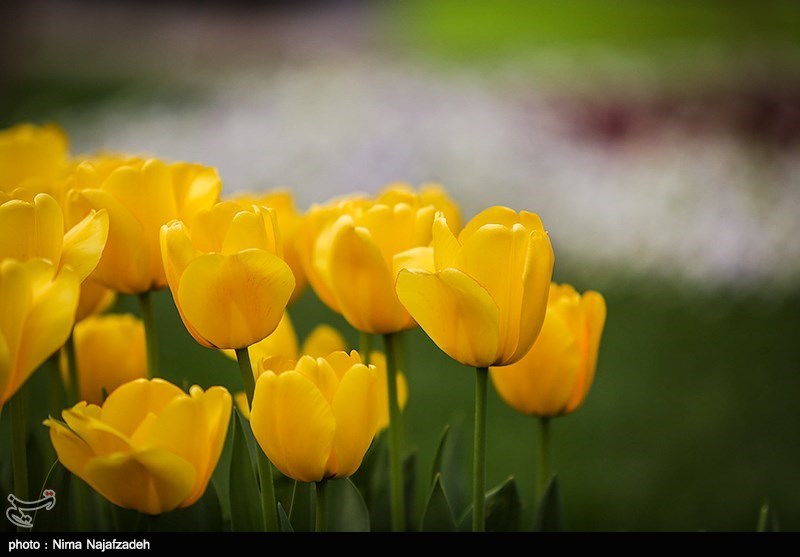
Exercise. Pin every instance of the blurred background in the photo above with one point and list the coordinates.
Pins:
(659, 141)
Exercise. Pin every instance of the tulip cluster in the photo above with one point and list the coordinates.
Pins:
(78, 233)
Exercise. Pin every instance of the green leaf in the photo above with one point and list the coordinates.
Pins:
(57, 519)
(768, 519)
(246, 515)
(438, 515)
(549, 514)
(286, 526)
(347, 511)
(504, 507)
(437, 459)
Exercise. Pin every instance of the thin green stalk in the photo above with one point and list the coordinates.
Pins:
(291, 501)
(396, 468)
(543, 473)
(146, 305)
(19, 452)
(56, 386)
(268, 505)
(80, 492)
(243, 357)
(72, 364)
(322, 506)
(479, 454)
(365, 346)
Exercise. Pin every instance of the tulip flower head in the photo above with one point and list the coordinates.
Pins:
(38, 304)
(289, 223)
(555, 376)
(226, 274)
(33, 157)
(317, 420)
(483, 299)
(109, 351)
(140, 196)
(149, 447)
(32, 226)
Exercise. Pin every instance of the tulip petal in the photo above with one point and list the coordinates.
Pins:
(50, 316)
(100, 437)
(536, 277)
(127, 406)
(84, 243)
(153, 481)
(293, 424)
(543, 381)
(197, 187)
(502, 216)
(355, 408)
(31, 229)
(593, 308)
(189, 427)
(456, 312)
(177, 251)
(421, 259)
(321, 374)
(15, 299)
(362, 283)
(72, 451)
(236, 300)
(247, 230)
(126, 262)
(322, 341)
(444, 243)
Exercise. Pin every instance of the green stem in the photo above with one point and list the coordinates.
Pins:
(243, 357)
(322, 506)
(396, 467)
(365, 346)
(56, 387)
(543, 473)
(72, 365)
(291, 501)
(80, 492)
(146, 305)
(479, 454)
(19, 452)
(268, 505)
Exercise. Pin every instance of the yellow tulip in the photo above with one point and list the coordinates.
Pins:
(323, 340)
(317, 420)
(555, 376)
(483, 300)
(226, 275)
(318, 219)
(33, 157)
(32, 226)
(359, 256)
(428, 194)
(140, 196)
(37, 310)
(289, 223)
(109, 351)
(95, 298)
(278, 352)
(149, 447)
